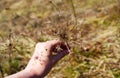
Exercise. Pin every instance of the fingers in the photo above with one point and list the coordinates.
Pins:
(51, 47)
(54, 42)
(61, 54)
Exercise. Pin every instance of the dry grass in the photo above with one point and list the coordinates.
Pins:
(90, 27)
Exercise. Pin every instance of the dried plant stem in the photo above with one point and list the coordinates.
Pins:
(10, 50)
(56, 7)
(1, 70)
(74, 13)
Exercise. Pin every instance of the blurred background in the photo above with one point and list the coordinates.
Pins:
(90, 27)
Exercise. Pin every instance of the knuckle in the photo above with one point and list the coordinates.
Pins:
(39, 44)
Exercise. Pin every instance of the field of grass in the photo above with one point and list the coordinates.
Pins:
(91, 27)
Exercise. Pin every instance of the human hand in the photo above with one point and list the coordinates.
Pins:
(44, 58)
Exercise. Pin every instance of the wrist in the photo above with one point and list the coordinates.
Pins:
(35, 72)
(29, 73)
(37, 68)
(21, 74)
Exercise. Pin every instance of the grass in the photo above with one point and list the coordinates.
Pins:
(94, 41)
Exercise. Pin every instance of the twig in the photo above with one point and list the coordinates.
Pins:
(1, 70)
(10, 50)
(57, 8)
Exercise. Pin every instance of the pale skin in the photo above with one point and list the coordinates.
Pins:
(43, 59)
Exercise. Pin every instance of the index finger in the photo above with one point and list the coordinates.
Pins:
(54, 43)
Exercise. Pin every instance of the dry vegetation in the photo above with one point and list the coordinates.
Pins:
(91, 27)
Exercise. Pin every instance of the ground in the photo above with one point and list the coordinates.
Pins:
(90, 27)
